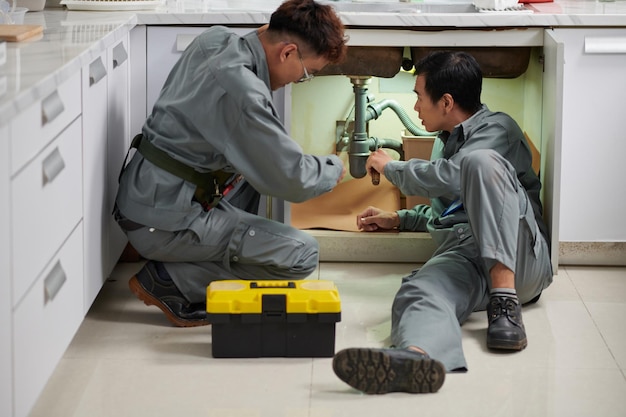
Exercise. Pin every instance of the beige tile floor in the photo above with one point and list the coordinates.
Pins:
(127, 361)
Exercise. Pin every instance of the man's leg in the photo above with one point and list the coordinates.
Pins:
(225, 243)
(431, 304)
(515, 253)
(425, 331)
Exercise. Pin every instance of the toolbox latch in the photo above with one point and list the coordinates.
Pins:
(274, 307)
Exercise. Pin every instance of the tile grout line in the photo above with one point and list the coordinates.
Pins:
(606, 344)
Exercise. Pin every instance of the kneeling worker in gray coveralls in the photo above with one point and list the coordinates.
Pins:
(188, 199)
(486, 219)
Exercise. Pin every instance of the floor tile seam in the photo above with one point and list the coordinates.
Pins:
(310, 396)
(551, 366)
(573, 284)
(602, 336)
(606, 343)
(149, 361)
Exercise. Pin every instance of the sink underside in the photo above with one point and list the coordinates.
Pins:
(500, 62)
(385, 62)
(376, 61)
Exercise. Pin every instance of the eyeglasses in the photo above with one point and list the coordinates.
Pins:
(306, 77)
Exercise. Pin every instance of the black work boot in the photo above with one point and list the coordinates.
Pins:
(153, 286)
(379, 371)
(506, 328)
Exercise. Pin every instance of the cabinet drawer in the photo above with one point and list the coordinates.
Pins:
(35, 127)
(47, 319)
(46, 204)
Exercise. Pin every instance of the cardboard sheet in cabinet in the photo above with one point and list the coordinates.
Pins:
(17, 33)
(337, 210)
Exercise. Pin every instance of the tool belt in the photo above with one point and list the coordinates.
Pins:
(210, 186)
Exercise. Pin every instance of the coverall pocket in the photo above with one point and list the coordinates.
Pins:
(529, 226)
(260, 246)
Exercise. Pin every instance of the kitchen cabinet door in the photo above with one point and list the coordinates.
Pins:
(551, 134)
(118, 141)
(47, 319)
(592, 200)
(95, 210)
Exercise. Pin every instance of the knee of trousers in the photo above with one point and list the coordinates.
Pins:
(485, 165)
(308, 257)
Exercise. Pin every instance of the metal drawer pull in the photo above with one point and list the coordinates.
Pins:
(605, 45)
(96, 71)
(183, 41)
(51, 107)
(54, 281)
(119, 55)
(52, 166)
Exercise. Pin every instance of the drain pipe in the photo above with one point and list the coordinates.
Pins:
(392, 144)
(360, 144)
(359, 148)
(376, 109)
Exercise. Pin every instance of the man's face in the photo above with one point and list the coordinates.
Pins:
(431, 114)
(295, 67)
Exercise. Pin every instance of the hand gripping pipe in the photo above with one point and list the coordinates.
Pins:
(360, 145)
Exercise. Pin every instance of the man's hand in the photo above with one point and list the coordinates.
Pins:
(376, 162)
(373, 219)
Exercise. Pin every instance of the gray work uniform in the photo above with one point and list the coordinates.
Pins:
(481, 173)
(215, 112)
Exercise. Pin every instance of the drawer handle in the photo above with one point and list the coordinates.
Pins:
(605, 45)
(183, 41)
(52, 166)
(54, 281)
(51, 107)
(119, 55)
(96, 71)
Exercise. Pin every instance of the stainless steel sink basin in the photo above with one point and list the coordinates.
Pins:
(401, 7)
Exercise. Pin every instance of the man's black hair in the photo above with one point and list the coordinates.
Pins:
(454, 72)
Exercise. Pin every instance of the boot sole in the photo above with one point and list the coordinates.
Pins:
(507, 344)
(149, 300)
(376, 372)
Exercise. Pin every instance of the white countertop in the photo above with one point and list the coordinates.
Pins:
(72, 39)
(557, 13)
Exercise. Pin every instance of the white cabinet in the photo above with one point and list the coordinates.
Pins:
(47, 320)
(46, 205)
(59, 160)
(590, 85)
(6, 325)
(94, 87)
(33, 128)
(105, 140)
(41, 243)
(118, 140)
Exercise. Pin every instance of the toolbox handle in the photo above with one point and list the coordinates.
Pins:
(273, 284)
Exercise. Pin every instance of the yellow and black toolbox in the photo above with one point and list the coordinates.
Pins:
(273, 318)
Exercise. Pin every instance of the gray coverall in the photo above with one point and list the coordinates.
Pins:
(485, 164)
(215, 112)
